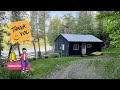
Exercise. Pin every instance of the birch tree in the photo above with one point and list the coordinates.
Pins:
(33, 18)
(43, 17)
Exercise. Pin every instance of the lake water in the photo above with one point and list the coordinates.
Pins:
(29, 50)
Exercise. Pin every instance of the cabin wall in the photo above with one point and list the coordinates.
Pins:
(96, 46)
(68, 47)
(61, 40)
(72, 51)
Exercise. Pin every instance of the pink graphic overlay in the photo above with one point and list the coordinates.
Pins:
(16, 65)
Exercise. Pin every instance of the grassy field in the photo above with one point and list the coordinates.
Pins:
(109, 69)
(42, 67)
(107, 65)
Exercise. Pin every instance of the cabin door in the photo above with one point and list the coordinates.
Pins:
(83, 48)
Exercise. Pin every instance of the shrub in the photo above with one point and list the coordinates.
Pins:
(14, 74)
(54, 55)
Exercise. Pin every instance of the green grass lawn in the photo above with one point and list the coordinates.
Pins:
(108, 65)
(42, 67)
(109, 68)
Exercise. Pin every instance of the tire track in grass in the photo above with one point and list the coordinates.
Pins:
(76, 70)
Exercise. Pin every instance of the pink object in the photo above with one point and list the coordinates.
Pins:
(16, 65)
(24, 56)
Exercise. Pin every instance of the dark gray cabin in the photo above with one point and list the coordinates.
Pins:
(76, 44)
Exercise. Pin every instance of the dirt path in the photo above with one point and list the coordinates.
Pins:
(76, 70)
(80, 69)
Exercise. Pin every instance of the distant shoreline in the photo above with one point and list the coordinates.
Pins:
(29, 49)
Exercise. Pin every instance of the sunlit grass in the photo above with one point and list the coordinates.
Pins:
(44, 66)
(108, 64)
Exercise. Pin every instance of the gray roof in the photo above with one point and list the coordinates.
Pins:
(81, 38)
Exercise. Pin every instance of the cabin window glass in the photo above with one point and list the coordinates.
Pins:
(89, 45)
(62, 47)
(76, 47)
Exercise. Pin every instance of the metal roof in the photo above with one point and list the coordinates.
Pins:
(81, 38)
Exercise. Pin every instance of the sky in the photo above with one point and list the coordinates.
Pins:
(62, 13)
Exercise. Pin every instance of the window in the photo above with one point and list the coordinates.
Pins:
(62, 46)
(76, 47)
(89, 45)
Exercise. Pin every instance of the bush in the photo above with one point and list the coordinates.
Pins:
(8, 74)
(54, 55)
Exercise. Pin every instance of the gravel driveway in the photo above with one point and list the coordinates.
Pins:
(76, 70)
(80, 69)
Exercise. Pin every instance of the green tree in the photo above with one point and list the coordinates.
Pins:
(69, 23)
(2, 14)
(33, 18)
(6, 36)
(85, 22)
(55, 28)
(1, 41)
(101, 34)
(43, 17)
(111, 20)
(17, 16)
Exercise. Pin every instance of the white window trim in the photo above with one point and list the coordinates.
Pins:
(74, 46)
(89, 45)
(63, 46)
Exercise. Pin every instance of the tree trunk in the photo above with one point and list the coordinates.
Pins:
(0, 50)
(44, 34)
(18, 46)
(45, 42)
(34, 48)
(39, 44)
(0, 54)
(15, 17)
(10, 50)
(39, 53)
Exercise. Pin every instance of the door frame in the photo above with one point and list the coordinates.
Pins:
(83, 49)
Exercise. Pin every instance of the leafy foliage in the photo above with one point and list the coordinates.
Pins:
(7, 74)
(85, 22)
(55, 28)
(43, 17)
(1, 35)
(69, 23)
(111, 21)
